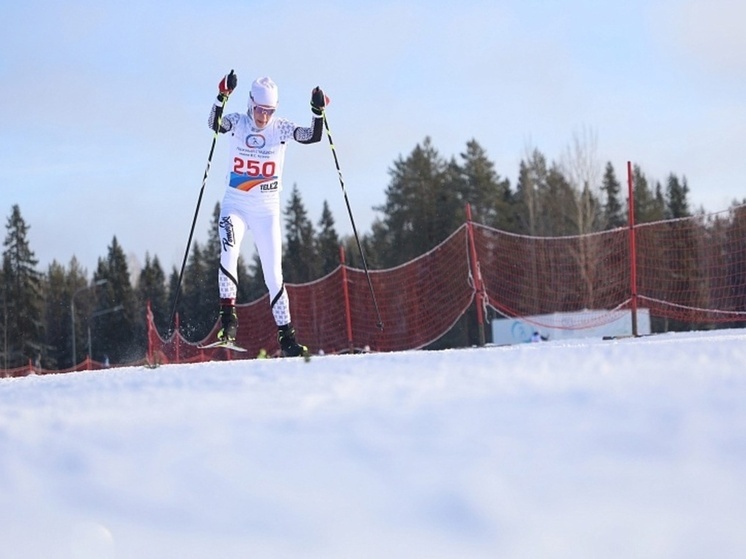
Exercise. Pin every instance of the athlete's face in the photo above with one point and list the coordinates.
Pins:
(262, 115)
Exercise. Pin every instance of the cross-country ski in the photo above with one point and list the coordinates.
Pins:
(223, 344)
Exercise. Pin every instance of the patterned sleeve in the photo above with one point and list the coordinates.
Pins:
(309, 135)
(226, 124)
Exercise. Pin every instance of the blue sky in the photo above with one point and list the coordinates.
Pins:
(104, 103)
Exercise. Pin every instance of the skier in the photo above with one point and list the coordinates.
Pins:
(252, 197)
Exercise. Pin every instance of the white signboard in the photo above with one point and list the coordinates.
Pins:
(565, 326)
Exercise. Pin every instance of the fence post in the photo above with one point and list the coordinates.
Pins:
(477, 275)
(632, 248)
(177, 340)
(151, 327)
(346, 294)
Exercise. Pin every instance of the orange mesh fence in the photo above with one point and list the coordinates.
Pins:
(692, 270)
(419, 302)
(526, 276)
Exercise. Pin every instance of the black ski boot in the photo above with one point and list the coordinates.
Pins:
(289, 346)
(229, 320)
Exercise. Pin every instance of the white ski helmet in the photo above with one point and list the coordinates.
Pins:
(263, 92)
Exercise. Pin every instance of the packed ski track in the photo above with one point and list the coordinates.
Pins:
(631, 448)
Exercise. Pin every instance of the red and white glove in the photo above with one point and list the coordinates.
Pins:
(227, 85)
(318, 101)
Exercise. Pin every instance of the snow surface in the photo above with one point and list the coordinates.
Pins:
(633, 448)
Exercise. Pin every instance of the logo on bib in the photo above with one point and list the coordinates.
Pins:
(255, 141)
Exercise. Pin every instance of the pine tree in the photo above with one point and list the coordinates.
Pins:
(244, 282)
(649, 203)
(613, 211)
(199, 303)
(22, 296)
(151, 287)
(564, 210)
(480, 185)
(114, 325)
(375, 246)
(82, 299)
(687, 275)
(252, 286)
(300, 262)
(422, 206)
(213, 248)
(659, 203)
(677, 205)
(173, 287)
(353, 258)
(532, 183)
(57, 317)
(211, 263)
(327, 242)
(546, 204)
(476, 183)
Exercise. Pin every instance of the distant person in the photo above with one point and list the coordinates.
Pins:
(258, 140)
(536, 337)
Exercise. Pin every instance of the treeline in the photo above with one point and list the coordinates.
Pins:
(425, 202)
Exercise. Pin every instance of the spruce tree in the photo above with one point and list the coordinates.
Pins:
(659, 203)
(252, 286)
(649, 203)
(173, 290)
(300, 262)
(375, 245)
(57, 317)
(687, 275)
(613, 211)
(422, 206)
(327, 242)
(22, 297)
(677, 191)
(546, 204)
(85, 296)
(114, 324)
(479, 185)
(199, 303)
(532, 183)
(563, 209)
(211, 263)
(213, 248)
(151, 287)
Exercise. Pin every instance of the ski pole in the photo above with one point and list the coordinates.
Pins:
(196, 211)
(352, 221)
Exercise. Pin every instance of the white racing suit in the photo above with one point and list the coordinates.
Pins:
(252, 199)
